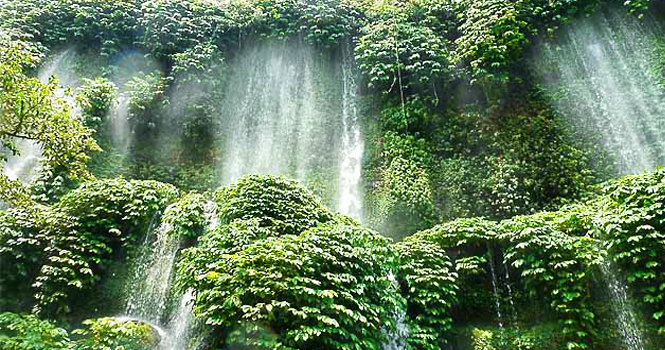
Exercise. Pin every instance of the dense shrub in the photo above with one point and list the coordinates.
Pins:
(278, 204)
(430, 288)
(326, 288)
(62, 250)
(27, 332)
(557, 254)
(110, 333)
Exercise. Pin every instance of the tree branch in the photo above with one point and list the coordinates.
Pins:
(12, 134)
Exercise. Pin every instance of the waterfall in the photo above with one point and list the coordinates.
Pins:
(119, 125)
(351, 152)
(150, 287)
(291, 110)
(600, 79)
(24, 166)
(495, 288)
(180, 325)
(624, 312)
(148, 299)
(274, 116)
(397, 340)
(513, 309)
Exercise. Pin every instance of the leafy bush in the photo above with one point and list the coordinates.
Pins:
(187, 216)
(278, 204)
(557, 254)
(632, 222)
(112, 334)
(95, 97)
(32, 111)
(326, 288)
(403, 200)
(146, 95)
(27, 332)
(69, 244)
(430, 288)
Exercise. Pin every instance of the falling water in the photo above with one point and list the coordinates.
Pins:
(495, 289)
(24, 166)
(277, 119)
(180, 326)
(150, 286)
(119, 124)
(624, 312)
(149, 296)
(352, 144)
(292, 110)
(600, 79)
(397, 340)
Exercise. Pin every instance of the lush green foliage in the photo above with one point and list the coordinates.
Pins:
(280, 271)
(95, 97)
(30, 110)
(404, 200)
(279, 204)
(478, 163)
(27, 332)
(187, 216)
(632, 223)
(62, 250)
(264, 286)
(430, 287)
(325, 288)
(112, 334)
(557, 254)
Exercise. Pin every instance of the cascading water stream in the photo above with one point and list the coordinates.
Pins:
(495, 289)
(119, 125)
(397, 340)
(148, 300)
(624, 311)
(601, 81)
(351, 152)
(180, 326)
(150, 287)
(182, 320)
(511, 301)
(273, 117)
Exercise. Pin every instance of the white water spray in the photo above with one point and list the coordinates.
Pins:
(495, 289)
(119, 125)
(291, 110)
(623, 309)
(273, 116)
(351, 152)
(148, 300)
(397, 340)
(150, 287)
(180, 325)
(602, 83)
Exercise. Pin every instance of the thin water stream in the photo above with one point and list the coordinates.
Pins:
(398, 339)
(351, 152)
(495, 289)
(622, 307)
